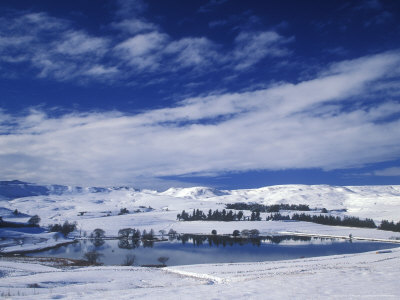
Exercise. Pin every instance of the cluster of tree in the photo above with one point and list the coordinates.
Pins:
(32, 222)
(217, 215)
(135, 234)
(123, 211)
(326, 220)
(132, 233)
(65, 228)
(390, 226)
(277, 217)
(267, 208)
(98, 233)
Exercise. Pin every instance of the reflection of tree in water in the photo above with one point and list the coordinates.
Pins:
(217, 240)
(128, 243)
(256, 241)
(92, 256)
(211, 240)
(280, 238)
(97, 242)
(125, 244)
(148, 243)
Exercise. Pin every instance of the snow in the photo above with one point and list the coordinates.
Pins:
(357, 276)
(368, 275)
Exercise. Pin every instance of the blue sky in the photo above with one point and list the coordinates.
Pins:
(231, 94)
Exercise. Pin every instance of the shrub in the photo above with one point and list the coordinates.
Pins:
(214, 232)
(236, 233)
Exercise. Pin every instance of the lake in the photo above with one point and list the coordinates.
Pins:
(194, 249)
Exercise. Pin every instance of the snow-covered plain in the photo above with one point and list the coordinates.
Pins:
(357, 276)
(362, 276)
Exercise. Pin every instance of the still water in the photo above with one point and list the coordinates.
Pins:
(192, 249)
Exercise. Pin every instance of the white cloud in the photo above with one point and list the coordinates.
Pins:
(79, 43)
(319, 123)
(394, 171)
(134, 26)
(51, 46)
(251, 47)
(193, 52)
(130, 8)
(155, 51)
(55, 48)
(143, 50)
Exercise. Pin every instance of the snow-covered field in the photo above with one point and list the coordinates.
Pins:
(356, 276)
(362, 276)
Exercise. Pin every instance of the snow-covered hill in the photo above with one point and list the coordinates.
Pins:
(194, 192)
(100, 207)
(57, 203)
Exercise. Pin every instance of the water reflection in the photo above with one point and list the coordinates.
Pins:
(212, 240)
(199, 249)
(97, 242)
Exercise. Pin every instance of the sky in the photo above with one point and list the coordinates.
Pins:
(222, 93)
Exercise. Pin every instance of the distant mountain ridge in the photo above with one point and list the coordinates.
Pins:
(18, 189)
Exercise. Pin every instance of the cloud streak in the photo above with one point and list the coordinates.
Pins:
(55, 48)
(287, 125)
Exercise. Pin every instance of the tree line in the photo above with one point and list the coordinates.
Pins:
(216, 215)
(325, 220)
(229, 215)
(390, 226)
(267, 208)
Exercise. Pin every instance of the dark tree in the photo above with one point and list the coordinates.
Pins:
(124, 233)
(123, 211)
(98, 233)
(34, 221)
